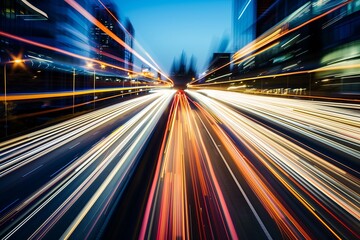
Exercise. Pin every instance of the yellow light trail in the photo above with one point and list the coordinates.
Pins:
(185, 160)
(31, 96)
(24, 40)
(290, 163)
(277, 34)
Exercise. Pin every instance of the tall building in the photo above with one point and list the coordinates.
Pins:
(244, 17)
(108, 50)
(20, 19)
(219, 60)
(129, 40)
(270, 12)
(53, 23)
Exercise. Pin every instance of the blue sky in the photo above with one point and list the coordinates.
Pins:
(166, 27)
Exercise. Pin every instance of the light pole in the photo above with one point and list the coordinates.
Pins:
(5, 101)
(122, 91)
(73, 110)
(94, 88)
(5, 94)
(91, 66)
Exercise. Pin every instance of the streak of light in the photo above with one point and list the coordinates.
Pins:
(29, 96)
(217, 129)
(185, 159)
(242, 12)
(153, 188)
(35, 8)
(96, 22)
(275, 35)
(19, 151)
(257, 44)
(12, 117)
(135, 41)
(147, 125)
(325, 189)
(129, 138)
(24, 40)
(257, 53)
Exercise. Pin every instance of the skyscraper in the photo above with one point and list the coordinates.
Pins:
(108, 50)
(129, 40)
(244, 18)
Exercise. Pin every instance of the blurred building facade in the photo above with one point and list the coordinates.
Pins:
(289, 36)
(59, 25)
(55, 43)
(129, 40)
(219, 67)
(243, 20)
(107, 49)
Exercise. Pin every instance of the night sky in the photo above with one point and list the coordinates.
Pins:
(165, 28)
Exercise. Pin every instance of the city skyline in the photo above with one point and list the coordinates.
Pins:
(190, 26)
(101, 139)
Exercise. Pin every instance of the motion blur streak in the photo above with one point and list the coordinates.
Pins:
(37, 44)
(143, 130)
(327, 187)
(20, 151)
(185, 183)
(96, 177)
(277, 32)
(92, 19)
(17, 97)
(135, 41)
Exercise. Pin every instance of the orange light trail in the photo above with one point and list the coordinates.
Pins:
(257, 43)
(8, 35)
(290, 226)
(308, 177)
(184, 169)
(135, 41)
(18, 97)
(96, 22)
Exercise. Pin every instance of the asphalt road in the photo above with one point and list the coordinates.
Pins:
(53, 175)
(279, 149)
(196, 165)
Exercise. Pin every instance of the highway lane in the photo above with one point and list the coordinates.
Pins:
(43, 153)
(126, 220)
(173, 209)
(332, 128)
(93, 178)
(230, 166)
(321, 197)
(194, 195)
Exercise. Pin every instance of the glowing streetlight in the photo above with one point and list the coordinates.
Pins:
(18, 60)
(90, 65)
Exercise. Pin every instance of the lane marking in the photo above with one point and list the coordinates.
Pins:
(252, 208)
(74, 145)
(9, 205)
(64, 166)
(33, 170)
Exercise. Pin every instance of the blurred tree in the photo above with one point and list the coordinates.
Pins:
(182, 73)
